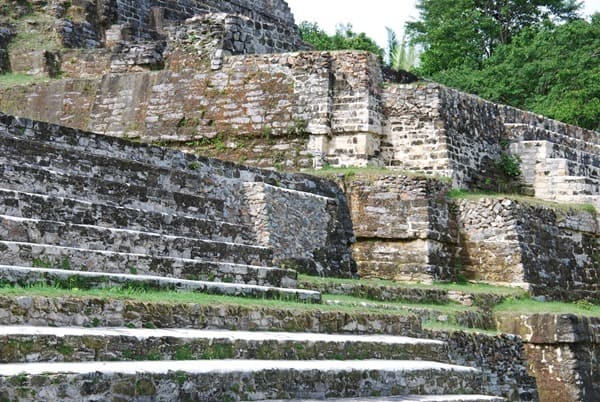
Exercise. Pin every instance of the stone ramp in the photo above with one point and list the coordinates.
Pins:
(67, 279)
(26, 344)
(220, 380)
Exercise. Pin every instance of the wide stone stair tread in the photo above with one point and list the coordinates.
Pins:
(78, 211)
(193, 312)
(464, 317)
(129, 241)
(27, 276)
(84, 164)
(44, 181)
(98, 144)
(215, 380)
(50, 256)
(72, 344)
(403, 398)
(566, 139)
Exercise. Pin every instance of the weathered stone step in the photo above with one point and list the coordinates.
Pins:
(404, 398)
(77, 344)
(28, 153)
(43, 181)
(97, 143)
(68, 279)
(129, 241)
(529, 132)
(222, 380)
(465, 317)
(197, 313)
(62, 209)
(49, 256)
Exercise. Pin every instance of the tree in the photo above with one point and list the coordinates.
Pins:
(343, 39)
(466, 32)
(402, 55)
(552, 70)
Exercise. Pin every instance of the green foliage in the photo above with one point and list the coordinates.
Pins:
(402, 54)
(343, 39)
(15, 79)
(467, 32)
(532, 55)
(509, 165)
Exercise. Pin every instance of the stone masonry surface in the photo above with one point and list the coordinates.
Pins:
(550, 251)
(220, 181)
(563, 351)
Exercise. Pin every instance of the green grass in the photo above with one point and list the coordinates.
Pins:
(461, 194)
(370, 171)
(532, 306)
(470, 288)
(34, 32)
(16, 79)
(344, 300)
(446, 327)
(173, 297)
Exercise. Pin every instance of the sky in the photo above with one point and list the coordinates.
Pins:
(371, 16)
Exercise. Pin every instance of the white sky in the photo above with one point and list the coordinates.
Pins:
(371, 16)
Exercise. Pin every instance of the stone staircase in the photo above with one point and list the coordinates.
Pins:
(558, 167)
(81, 212)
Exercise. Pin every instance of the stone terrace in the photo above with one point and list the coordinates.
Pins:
(85, 211)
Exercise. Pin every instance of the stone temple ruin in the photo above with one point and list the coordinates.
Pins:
(90, 197)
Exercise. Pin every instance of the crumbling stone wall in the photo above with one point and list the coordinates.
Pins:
(217, 35)
(137, 13)
(551, 252)
(563, 352)
(282, 98)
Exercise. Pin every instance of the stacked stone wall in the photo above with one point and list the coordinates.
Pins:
(551, 252)
(414, 136)
(501, 358)
(137, 13)
(404, 228)
(279, 213)
(281, 98)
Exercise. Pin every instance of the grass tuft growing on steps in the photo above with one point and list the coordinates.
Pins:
(532, 306)
(182, 297)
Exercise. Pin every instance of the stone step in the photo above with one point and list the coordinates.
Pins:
(69, 279)
(405, 398)
(44, 181)
(531, 132)
(64, 209)
(27, 344)
(129, 241)
(465, 317)
(194, 312)
(28, 153)
(71, 258)
(100, 144)
(221, 380)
